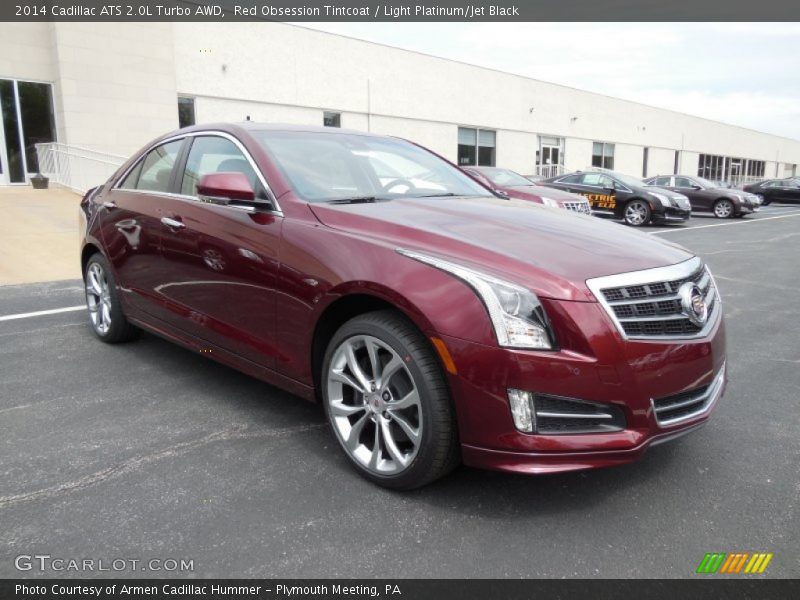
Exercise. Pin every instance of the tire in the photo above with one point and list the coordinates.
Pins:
(410, 413)
(724, 209)
(637, 213)
(102, 299)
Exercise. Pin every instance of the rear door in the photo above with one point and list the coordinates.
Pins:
(130, 225)
(221, 262)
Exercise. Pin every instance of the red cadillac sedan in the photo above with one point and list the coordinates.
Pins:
(513, 185)
(436, 322)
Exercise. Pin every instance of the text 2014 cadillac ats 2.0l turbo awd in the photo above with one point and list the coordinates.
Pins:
(436, 322)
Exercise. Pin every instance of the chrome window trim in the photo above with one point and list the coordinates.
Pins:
(205, 133)
(657, 275)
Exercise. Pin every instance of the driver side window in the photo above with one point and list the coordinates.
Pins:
(213, 154)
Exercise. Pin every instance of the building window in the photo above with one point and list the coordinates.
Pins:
(332, 119)
(476, 147)
(603, 155)
(185, 112)
(726, 168)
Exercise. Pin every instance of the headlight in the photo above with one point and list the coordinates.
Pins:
(550, 202)
(517, 316)
(661, 198)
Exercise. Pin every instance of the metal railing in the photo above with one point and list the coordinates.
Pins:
(549, 170)
(76, 168)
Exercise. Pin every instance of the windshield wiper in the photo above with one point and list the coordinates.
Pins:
(436, 195)
(355, 200)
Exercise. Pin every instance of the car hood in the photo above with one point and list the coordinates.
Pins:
(540, 191)
(552, 252)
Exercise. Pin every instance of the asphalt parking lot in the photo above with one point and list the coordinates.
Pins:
(147, 450)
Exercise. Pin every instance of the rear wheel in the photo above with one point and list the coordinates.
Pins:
(723, 209)
(637, 213)
(102, 300)
(387, 402)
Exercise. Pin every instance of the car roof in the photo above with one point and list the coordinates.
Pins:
(251, 126)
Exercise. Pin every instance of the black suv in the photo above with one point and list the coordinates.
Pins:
(776, 190)
(624, 197)
(707, 196)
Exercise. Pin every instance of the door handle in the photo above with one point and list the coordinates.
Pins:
(172, 223)
(110, 205)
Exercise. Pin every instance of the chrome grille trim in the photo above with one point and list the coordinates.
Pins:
(702, 399)
(556, 415)
(645, 305)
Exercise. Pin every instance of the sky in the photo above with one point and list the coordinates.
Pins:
(745, 74)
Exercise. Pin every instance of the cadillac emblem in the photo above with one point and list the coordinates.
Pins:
(693, 303)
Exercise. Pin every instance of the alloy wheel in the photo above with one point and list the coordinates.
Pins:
(98, 298)
(636, 213)
(723, 209)
(374, 405)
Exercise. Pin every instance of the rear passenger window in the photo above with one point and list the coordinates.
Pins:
(662, 181)
(213, 154)
(682, 182)
(571, 179)
(156, 168)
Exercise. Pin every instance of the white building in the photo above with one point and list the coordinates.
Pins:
(109, 88)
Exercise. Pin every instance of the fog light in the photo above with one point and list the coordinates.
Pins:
(521, 403)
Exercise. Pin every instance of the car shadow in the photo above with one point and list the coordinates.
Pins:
(471, 491)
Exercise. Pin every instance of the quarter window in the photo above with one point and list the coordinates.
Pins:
(156, 169)
(476, 147)
(603, 155)
(213, 154)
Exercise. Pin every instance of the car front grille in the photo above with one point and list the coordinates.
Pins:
(556, 415)
(687, 405)
(578, 206)
(648, 306)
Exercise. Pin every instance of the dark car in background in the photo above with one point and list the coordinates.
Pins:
(514, 185)
(776, 190)
(435, 322)
(624, 197)
(707, 196)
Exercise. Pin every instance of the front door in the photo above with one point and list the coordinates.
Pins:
(221, 262)
(549, 161)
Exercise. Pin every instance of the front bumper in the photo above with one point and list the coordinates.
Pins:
(671, 214)
(595, 365)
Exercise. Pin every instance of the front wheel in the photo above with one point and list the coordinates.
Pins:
(387, 401)
(723, 209)
(102, 300)
(637, 213)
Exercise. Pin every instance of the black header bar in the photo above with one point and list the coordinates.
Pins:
(400, 10)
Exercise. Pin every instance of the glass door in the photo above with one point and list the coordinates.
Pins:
(26, 119)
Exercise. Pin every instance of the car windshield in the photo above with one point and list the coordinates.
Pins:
(504, 177)
(329, 167)
(705, 182)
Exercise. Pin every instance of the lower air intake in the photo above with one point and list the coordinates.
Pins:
(557, 415)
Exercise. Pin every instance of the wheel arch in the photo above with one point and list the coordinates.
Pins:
(349, 302)
(88, 250)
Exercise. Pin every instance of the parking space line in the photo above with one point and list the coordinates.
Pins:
(795, 214)
(41, 313)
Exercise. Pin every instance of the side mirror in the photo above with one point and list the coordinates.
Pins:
(696, 187)
(502, 194)
(225, 188)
